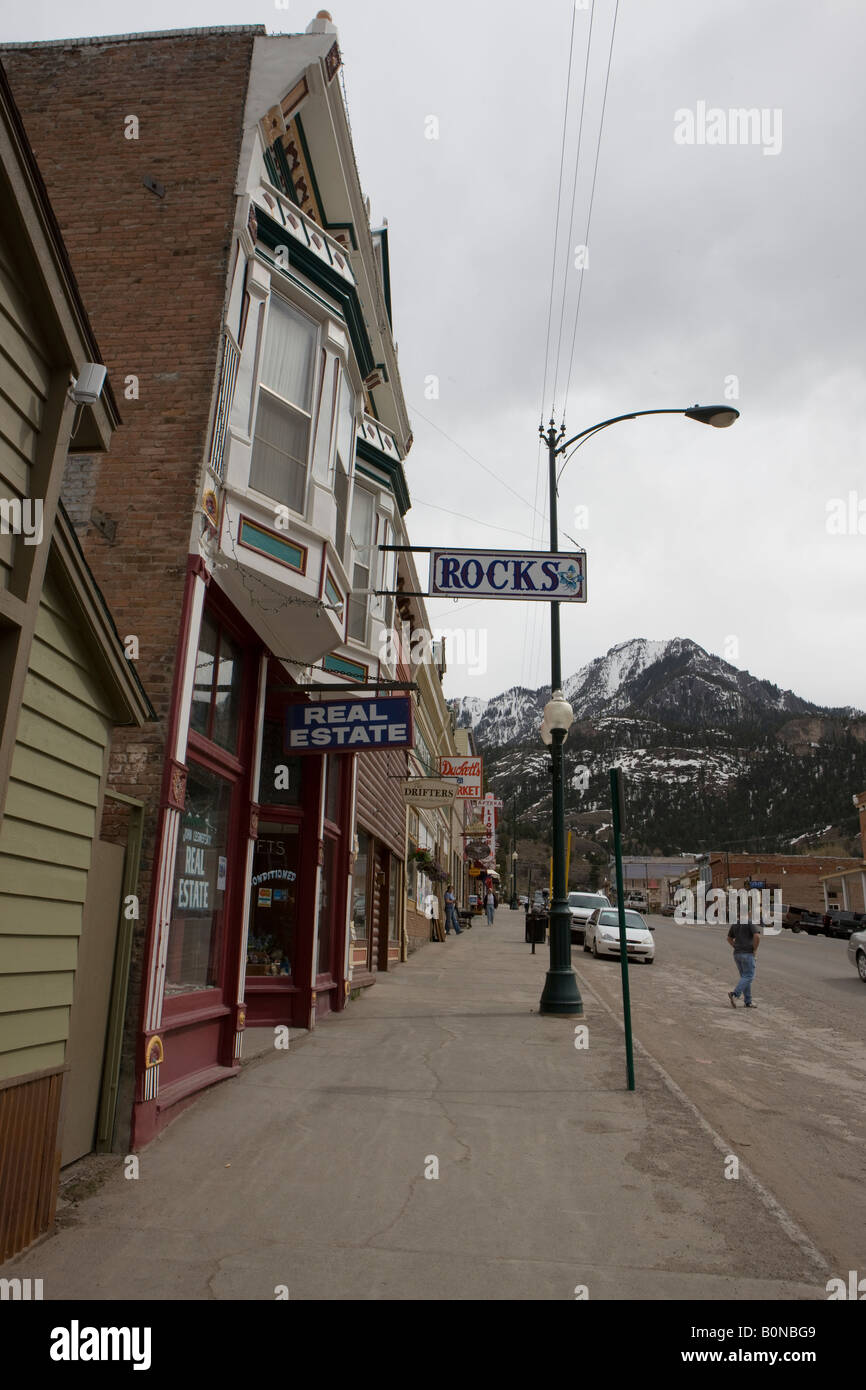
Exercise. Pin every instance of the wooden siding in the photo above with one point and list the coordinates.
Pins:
(46, 839)
(24, 381)
(29, 1160)
(380, 805)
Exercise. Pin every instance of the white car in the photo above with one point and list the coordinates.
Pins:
(602, 935)
(581, 906)
(857, 952)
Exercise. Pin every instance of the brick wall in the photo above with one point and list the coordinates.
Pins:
(799, 883)
(152, 271)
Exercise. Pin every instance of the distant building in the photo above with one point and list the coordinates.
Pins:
(804, 880)
(655, 878)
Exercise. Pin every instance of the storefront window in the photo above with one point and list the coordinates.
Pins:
(360, 909)
(327, 894)
(195, 938)
(280, 776)
(217, 688)
(274, 900)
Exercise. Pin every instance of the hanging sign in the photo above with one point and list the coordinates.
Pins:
(429, 791)
(528, 574)
(468, 774)
(350, 726)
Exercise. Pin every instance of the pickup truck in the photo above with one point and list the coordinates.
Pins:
(839, 923)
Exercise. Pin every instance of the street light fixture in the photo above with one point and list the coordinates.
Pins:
(560, 994)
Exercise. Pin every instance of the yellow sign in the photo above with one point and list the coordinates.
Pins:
(473, 872)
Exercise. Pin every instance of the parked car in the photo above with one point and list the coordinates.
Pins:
(581, 906)
(857, 952)
(838, 922)
(602, 935)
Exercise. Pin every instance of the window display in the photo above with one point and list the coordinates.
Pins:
(271, 943)
(194, 954)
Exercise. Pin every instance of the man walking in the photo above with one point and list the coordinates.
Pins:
(451, 918)
(744, 937)
(490, 904)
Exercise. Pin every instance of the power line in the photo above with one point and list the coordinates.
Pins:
(591, 201)
(500, 481)
(571, 214)
(558, 203)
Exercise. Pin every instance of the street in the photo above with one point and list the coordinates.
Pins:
(785, 1083)
(440, 1140)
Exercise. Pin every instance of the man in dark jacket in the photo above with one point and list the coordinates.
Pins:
(744, 937)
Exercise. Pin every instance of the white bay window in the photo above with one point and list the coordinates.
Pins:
(282, 432)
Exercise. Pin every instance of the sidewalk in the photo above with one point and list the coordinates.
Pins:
(308, 1170)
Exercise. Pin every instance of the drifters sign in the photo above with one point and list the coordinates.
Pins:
(350, 726)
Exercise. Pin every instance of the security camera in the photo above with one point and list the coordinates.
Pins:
(88, 388)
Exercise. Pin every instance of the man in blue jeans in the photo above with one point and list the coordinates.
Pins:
(451, 918)
(744, 937)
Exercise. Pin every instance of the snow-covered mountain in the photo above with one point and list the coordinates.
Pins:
(675, 683)
(711, 753)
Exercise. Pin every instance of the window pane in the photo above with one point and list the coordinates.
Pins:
(202, 691)
(359, 890)
(195, 935)
(279, 775)
(279, 462)
(327, 896)
(357, 626)
(287, 364)
(227, 694)
(274, 901)
(346, 424)
(362, 520)
(341, 493)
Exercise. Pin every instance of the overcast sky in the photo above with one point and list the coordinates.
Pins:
(706, 261)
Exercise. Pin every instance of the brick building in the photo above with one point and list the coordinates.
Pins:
(207, 187)
(799, 877)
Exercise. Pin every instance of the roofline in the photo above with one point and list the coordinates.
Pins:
(255, 29)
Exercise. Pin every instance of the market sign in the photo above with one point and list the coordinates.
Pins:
(429, 791)
(530, 574)
(350, 726)
(468, 774)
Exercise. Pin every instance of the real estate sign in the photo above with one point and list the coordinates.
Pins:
(527, 574)
(350, 726)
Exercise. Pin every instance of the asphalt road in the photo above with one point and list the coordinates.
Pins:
(784, 1083)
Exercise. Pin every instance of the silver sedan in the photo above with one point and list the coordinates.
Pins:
(857, 952)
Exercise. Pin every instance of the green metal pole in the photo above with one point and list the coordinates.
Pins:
(560, 994)
(616, 799)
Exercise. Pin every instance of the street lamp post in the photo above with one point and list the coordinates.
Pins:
(560, 994)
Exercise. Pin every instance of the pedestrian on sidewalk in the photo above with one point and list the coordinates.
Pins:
(451, 918)
(744, 937)
(431, 910)
(490, 904)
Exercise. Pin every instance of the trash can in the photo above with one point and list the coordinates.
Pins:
(536, 927)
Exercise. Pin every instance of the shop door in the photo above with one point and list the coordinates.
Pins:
(89, 1013)
(272, 945)
(383, 864)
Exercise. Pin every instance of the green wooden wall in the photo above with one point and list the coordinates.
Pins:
(46, 839)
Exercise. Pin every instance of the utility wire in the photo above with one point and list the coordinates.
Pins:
(501, 481)
(558, 204)
(591, 201)
(571, 214)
